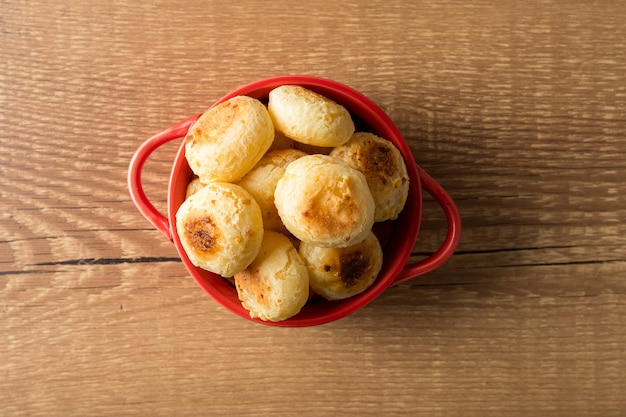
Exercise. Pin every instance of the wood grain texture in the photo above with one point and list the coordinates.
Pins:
(517, 108)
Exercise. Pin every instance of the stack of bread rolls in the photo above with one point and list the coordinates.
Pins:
(284, 198)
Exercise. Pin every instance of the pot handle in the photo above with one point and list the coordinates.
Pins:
(145, 207)
(452, 238)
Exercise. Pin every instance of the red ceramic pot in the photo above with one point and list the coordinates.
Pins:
(398, 237)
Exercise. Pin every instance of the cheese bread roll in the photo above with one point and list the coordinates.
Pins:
(193, 187)
(276, 284)
(308, 117)
(261, 182)
(323, 201)
(220, 227)
(384, 169)
(229, 139)
(338, 273)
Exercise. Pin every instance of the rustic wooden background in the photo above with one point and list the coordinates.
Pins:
(517, 108)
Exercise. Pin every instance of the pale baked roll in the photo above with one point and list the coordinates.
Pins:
(338, 273)
(276, 284)
(229, 139)
(220, 228)
(384, 169)
(261, 182)
(193, 187)
(323, 201)
(308, 117)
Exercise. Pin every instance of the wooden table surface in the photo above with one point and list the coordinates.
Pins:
(518, 109)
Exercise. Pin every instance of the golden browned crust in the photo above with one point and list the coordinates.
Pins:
(384, 169)
(308, 117)
(229, 139)
(220, 227)
(202, 233)
(352, 266)
(338, 273)
(275, 286)
(323, 201)
(209, 129)
(334, 210)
